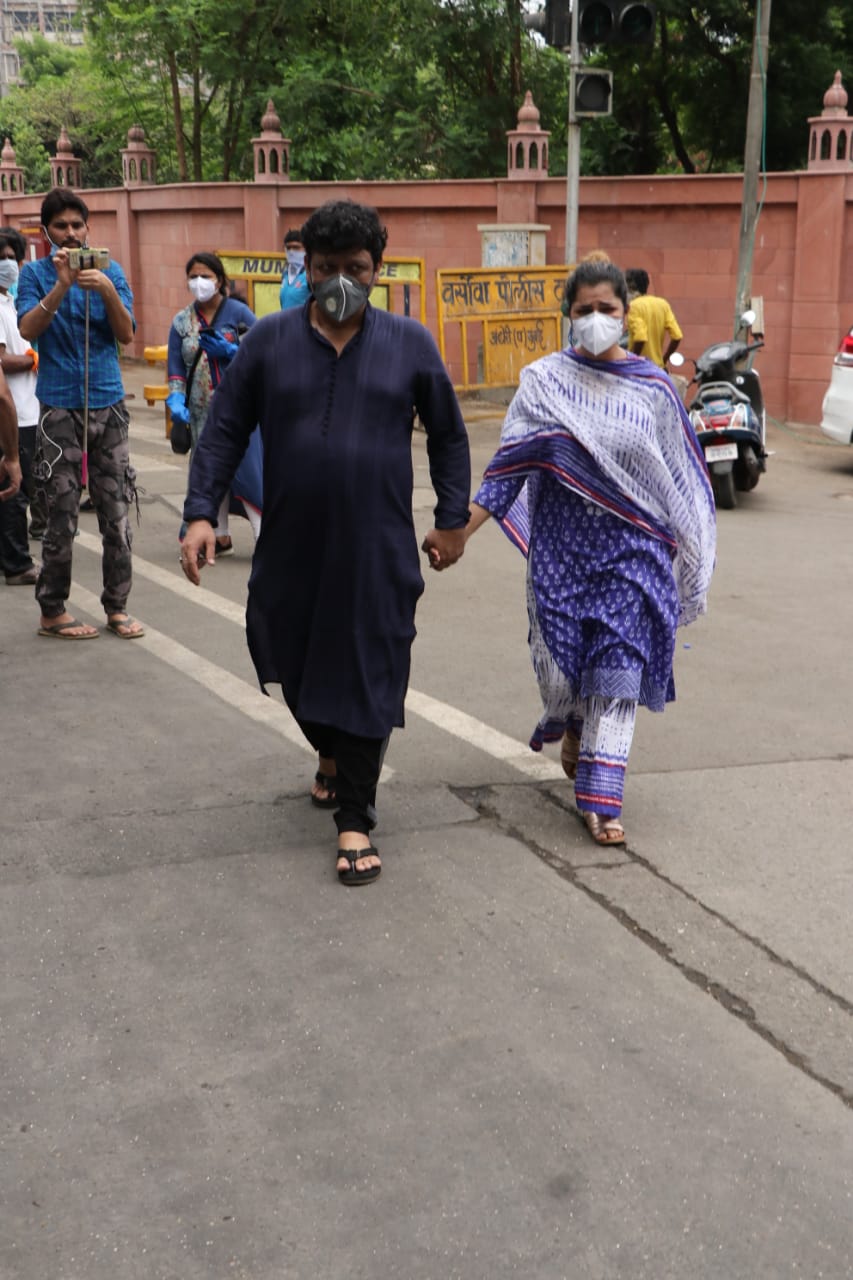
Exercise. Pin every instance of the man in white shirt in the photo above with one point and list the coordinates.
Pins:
(19, 363)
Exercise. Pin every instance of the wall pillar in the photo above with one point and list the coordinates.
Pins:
(65, 169)
(138, 160)
(817, 315)
(272, 149)
(11, 173)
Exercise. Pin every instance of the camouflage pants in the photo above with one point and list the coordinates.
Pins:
(112, 487)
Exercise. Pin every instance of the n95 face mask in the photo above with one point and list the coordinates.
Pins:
(201, 288)
(340, 297)
(596, 332)
(8, 273)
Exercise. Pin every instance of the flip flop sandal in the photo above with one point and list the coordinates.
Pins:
(62, 631)
(570, 750)
(327, 782)
(604, 830)
(118, 627)
(352, 876)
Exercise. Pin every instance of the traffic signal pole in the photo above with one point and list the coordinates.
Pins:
(573, 165)
(752, 157)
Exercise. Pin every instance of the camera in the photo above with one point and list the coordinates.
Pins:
(88, 259)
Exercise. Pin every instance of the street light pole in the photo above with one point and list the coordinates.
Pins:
(752, 157)
(573, 165)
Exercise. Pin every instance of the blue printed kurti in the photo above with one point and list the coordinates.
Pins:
(600, 482)
(601, 598)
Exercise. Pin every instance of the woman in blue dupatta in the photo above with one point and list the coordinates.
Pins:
(599, 480)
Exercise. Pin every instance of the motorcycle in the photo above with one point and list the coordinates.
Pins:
(728, 416)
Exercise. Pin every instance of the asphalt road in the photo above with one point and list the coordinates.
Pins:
(515, 1055)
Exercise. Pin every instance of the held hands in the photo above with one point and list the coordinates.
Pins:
(176, 403)
(217, 346)
(198, 549)
(443, 547)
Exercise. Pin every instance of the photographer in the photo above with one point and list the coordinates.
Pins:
(65, 301)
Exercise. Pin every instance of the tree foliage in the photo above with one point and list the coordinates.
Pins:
(681, 105)
(394, 89)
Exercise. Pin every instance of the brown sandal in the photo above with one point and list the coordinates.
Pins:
(570, 750)
(604, 830)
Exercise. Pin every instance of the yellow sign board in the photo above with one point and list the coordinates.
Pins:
(260, 276)
(509, 344)
(517, 311)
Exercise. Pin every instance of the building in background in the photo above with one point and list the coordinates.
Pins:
(53, 19)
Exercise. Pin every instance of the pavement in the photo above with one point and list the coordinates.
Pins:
(516, 1055)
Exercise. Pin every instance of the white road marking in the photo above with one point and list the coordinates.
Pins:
(482, 736)
(141, 463)
(241, 695)
(177, 583)
(450, 719)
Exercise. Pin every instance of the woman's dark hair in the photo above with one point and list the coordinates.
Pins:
(214, 264)
(14, 240)
(59, 199)
(591, 274)
(342, 224)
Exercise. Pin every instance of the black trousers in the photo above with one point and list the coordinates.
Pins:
(14, 545)
(359, 763)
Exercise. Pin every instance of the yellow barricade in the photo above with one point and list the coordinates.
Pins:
(516, 311)
(260, 276)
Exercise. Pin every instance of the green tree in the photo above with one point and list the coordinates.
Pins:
(681, 105)
(60, 86)
(411, 90)
(390, 89)
(213, 61)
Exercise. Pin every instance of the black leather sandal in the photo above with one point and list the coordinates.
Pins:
(327, 782)
(352, 876)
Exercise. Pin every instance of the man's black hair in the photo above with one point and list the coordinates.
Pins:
(591, 274)
(59, 199)
(213, 263)
(342, 224)
(13, 239)
(294, 233)
(638, 280)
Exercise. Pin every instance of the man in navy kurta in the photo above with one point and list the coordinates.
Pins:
(336, 574)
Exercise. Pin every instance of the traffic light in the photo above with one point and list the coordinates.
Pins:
(554, 23)
(558, 23)
(616, 22)
(593, 92)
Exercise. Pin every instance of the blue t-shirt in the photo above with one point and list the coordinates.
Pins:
(62, 345)
(294, 293)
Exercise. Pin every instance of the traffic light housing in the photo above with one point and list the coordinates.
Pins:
(616, 22)
(554, 23)
(558, 23)
(593, 92)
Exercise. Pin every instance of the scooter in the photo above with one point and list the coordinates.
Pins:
(728, 415)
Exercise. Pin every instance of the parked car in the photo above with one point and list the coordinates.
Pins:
(837, 420)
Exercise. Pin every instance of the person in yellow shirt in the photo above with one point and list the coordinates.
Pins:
(650, 320)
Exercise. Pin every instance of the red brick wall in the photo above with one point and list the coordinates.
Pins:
(683, 230)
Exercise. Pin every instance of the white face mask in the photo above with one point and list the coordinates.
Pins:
(201, 288)
(596, 332)
(295, 257)
(8, 273)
